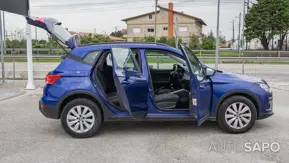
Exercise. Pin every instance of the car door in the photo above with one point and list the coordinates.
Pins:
(131, 85)
(201, 91)
(55, 29)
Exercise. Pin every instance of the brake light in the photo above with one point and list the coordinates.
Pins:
(41, 20)
(52, 78)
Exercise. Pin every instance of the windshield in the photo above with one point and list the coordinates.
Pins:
(195, 64)
(56, 28)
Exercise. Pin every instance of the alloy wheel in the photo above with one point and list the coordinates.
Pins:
(238, 115)
(80, 119)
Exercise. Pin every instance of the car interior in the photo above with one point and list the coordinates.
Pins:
(171, 87)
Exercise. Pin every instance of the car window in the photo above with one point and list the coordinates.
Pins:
(135, 54)
(124, 59)
(90, 57)
(162, 60)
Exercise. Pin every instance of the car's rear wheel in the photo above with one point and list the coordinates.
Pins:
(237, 114)
(81, 118)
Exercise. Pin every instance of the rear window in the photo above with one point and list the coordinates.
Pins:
(90, 57)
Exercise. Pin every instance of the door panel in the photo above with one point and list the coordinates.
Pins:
(131, 85)
(200, 87)
(205, 96)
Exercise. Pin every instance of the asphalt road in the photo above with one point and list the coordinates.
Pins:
(27, 136)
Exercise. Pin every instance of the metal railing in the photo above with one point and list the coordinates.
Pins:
(16, 69)
(247, 53)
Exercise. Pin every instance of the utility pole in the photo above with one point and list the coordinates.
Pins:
(36, 34)
(4, 33)
(243, 36)
(217, 37)
(2, 49)
(286, 41)
(239, 36)
(30, 83)
(156, 20)
(233, 38)
(176, 32)
(248, 7)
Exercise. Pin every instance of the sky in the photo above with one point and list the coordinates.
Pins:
(104, 16)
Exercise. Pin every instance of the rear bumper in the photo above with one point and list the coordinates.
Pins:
(48, 112)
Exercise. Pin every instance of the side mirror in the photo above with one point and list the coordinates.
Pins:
(209, 71)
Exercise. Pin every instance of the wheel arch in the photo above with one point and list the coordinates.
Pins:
(80, 94)
(256, 101)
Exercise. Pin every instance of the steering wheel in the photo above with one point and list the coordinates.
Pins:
(175, 67)
(175, 77)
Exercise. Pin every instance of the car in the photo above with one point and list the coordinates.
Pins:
(126, 81)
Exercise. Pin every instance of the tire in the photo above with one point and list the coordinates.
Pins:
(225, 115)
(90, 118)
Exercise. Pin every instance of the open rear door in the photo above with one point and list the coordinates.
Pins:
(200, 87)
(131, 85)
(55, 28)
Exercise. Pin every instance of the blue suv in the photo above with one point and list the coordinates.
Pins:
(126, 82)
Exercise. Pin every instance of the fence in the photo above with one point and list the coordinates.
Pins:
(255, 63)
(223, 52)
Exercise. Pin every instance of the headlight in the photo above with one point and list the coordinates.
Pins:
(265, 87)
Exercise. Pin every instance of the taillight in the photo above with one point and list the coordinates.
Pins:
(52, 78)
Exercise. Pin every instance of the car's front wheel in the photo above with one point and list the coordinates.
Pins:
(81, 118)
(237, 114)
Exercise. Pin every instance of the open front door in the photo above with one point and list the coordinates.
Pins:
(200, 102)
(131, 85)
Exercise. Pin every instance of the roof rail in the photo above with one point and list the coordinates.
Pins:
(101, 43)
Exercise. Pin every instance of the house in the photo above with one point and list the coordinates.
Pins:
(85, 34)
(124, 33)
(143, 25)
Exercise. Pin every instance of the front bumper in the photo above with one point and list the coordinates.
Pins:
(48, 112)
(265, 115)
(268, 109)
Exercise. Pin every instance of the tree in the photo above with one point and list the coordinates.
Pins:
(267, 18)
(194, 42)
(163, 40)
(209, 41)
(149, 39)
(117, 33)
(95, 39)
(222, 40)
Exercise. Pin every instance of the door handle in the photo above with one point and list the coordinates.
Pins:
(202, 86)
(125, 82)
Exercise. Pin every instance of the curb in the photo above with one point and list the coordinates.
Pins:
(16, 95)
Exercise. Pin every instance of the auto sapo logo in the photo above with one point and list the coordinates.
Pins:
(229, 146)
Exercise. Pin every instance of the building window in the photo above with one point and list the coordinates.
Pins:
(136, 30)
(151, 30)
(165, 28)
(183, 29)
(150, 16)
